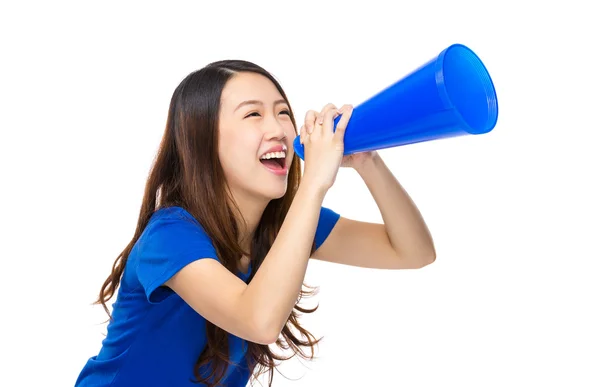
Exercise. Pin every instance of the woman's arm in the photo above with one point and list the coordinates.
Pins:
(258, 311)
(402, 242)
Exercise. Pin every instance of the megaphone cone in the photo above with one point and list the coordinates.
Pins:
(449, 96)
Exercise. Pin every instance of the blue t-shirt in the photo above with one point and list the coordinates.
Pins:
(155, 337)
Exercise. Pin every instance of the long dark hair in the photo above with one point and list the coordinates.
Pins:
(187, 172)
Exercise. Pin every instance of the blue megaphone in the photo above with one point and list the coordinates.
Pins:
(449, 96)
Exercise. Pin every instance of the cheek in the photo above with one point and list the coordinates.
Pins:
(237, 153)
(290, 134)
(289, 130)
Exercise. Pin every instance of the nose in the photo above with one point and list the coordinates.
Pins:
(274, 130)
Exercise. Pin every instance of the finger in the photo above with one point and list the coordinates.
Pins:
(321, 116)
(309, 120)
(328, 120)
(340, 129)
(302, 134)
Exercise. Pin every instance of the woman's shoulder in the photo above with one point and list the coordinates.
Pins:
(171, 213)
(173, 217)
(171, 226)
(171, 239)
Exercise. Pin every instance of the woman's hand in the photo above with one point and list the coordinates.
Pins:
(323, 149)
(358, 160)
(355, 160)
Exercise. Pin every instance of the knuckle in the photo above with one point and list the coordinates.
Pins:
(327, 107)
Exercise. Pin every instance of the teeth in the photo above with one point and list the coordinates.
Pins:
(273, 155)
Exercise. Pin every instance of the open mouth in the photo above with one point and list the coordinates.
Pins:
(273, 160)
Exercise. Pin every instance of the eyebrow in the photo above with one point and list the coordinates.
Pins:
(257, 102)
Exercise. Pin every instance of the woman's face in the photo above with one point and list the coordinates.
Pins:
(255, 119)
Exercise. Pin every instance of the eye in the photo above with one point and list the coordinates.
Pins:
(253, 114)
(287, 112)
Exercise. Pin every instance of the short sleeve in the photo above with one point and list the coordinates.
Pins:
(171, 241)
(327, 220)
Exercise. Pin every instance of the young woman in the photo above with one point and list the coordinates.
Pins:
(214, 272)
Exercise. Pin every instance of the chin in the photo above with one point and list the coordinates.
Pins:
(271, 186)
(275, 193)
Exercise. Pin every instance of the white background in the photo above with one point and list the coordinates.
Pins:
(512, 299)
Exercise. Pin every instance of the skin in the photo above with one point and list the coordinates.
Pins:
(245, 133)
(258, 311)
(403, 241)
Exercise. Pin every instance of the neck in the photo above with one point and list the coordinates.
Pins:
(251, 210)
